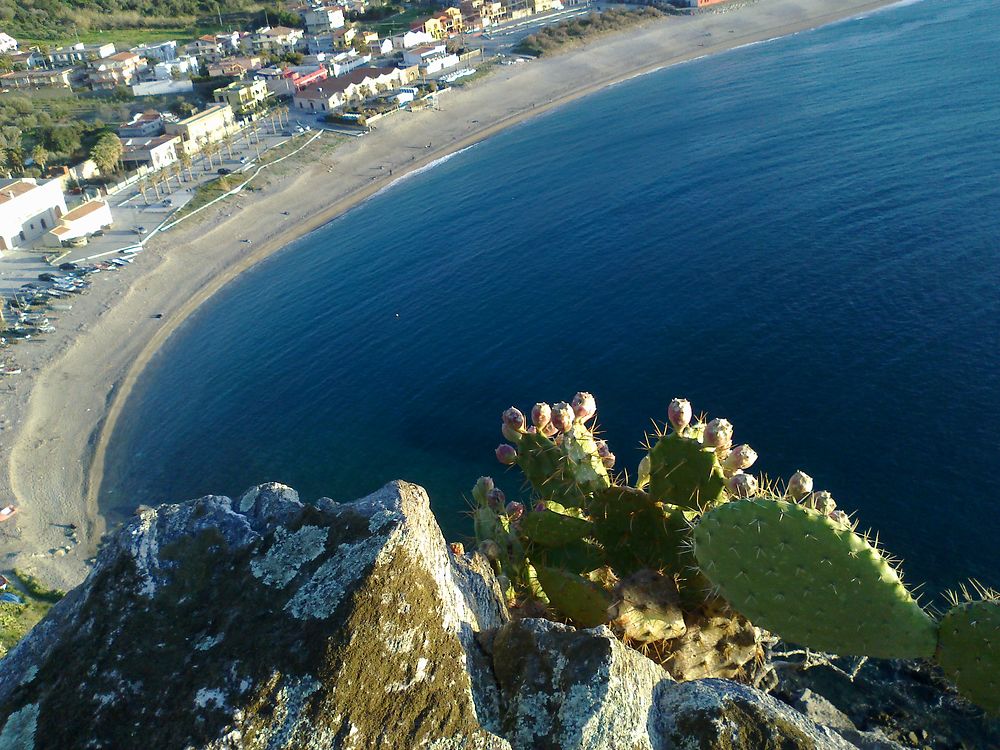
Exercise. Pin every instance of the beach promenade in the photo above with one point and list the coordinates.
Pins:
(56, 422)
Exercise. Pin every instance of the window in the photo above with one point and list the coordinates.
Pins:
(44, 225)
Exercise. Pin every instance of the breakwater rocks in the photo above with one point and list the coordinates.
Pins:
(260, 622)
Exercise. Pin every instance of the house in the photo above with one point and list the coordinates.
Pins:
(180, 67)
(380, 47)
(277, 40)
(120, 69)
(245, 97)
(213, 124)
(67, 57)
(436, 63)
(169, 87)
(234, 67)
(206, 48)
(345, 62)
(444, 24)
(36, 79)
(418, 55)
(157, 152)
(142, 125)
(8, 44)
(82, 221)
(544, 6)
(411, 39)
(28, 60)
(321, 18)
(286, 81)
(483, 13)
(28, 209)
(333, 92)
(162, 52)
(344, 38)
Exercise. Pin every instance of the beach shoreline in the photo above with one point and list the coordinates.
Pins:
(64, 412)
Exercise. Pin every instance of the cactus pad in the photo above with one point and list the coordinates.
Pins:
(969, 651)
(583, 601)
(550, 528)
(810, 580)
(638, 532)
(685, 473)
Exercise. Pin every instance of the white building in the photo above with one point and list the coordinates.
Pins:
(67, 57)
(80, 222)
(345, 62)
(164, 51)
(419, 55)
(156, 152)
(28, 209)
(437, 63)
(8, 44)
(412, 39)
(180, 67)
(320, 18)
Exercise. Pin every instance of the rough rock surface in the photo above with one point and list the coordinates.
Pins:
(263, 623)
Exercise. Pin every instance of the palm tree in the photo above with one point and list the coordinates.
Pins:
(154, 181)
(184, 158)
(142, 189)
(206, 152)
(178, 171)
(228, 141)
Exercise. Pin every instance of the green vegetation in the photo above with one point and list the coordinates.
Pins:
(395, 22)
(682, 559)
(18, 619)
(581, 29)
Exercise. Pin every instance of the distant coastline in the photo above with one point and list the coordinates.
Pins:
(66, 411)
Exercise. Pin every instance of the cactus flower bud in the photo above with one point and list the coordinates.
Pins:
(719, 433)
(539, 507)
(506, 454)
(563, 416)
(514, 510)
(514, 419)
(490, 550)
(549, 430)
(800, 485)
(541, 415)
(495, 498)
(838, 516)
(608, 459)
(510, 433)
(679, 413)
(457, 548)
(584, 406)
(821, 501)
(642, 480)
(741, 457)
(742, 485)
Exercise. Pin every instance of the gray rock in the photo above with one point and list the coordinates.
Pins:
(264, 623)
(566, 689)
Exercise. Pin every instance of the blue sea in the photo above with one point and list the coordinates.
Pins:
(802, 236)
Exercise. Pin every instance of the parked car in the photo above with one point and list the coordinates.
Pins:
(223, 170)
(77, 242)
(68, 266)
(48, 277)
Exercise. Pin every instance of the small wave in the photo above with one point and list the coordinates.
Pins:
(420, 170)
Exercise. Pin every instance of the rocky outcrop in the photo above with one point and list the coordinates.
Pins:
(266, 624)
(263, 623)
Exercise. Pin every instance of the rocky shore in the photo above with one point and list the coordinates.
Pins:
(260, 622)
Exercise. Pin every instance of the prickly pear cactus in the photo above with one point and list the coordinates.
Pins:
(811, 579)
(969, 650)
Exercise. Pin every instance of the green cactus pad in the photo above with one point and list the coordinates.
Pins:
(969, 651)
(551, 529)
(582, 601)
(810, 580)
(567, 473)
(637, 532)
(580, 556)
(685, 473)
(485, 524)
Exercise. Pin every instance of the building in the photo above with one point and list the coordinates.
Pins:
(82, 221)
(436, 63)
(8, 44)
(213, 124)
(120, 69)
(345, 62)
(67, 57)
(28, 209)
(142, 125)
(287, 80)
(162, 52)
(322, 18)
(169, 87)
(333, 92)
(179, 67)
(700, 3)
(245, 97)
(444, 24)
(418, 55)
(36, 79)
(29, 59)
(235, 67)
(411, 39)
(206, 48)
(484, 13)
(344, 38)
(157, 152)
(380, 47)
(278, 40)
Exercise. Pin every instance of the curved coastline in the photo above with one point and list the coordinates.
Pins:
(55, 498)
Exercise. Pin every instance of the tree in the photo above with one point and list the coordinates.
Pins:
(40, 156)
(106, 153)
(184, 158)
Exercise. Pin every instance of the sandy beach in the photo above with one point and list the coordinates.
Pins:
(60, 414)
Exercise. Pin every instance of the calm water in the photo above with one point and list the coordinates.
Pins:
(801, 236)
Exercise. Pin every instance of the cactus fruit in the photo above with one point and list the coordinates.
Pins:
(969, 650)
(581, 600)
(796, 572)
(648, 607)
(800, 485)
(685, 473)
(506, 454)
(679, 414)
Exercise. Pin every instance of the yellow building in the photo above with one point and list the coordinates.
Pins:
(452, 20)
(244, 97)
(544, 6)
(212, 124)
